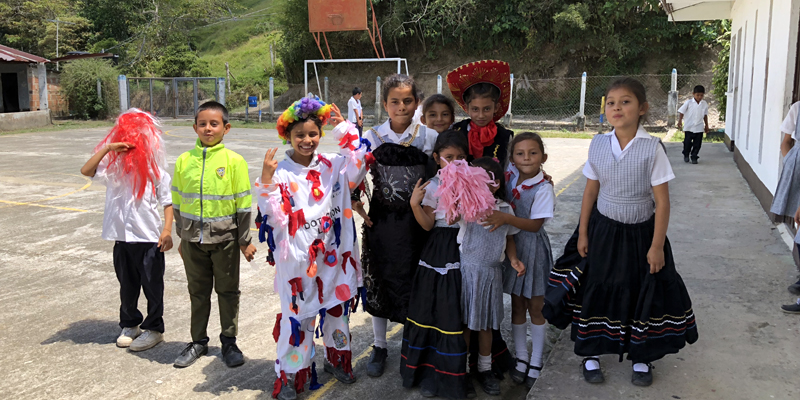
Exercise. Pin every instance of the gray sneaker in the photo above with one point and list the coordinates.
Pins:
(338, 373)
(792, 308)
(287, 391)
(147, 340)
(127, 336)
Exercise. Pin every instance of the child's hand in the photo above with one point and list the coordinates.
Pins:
(359, 208)
(496, 219)
(419, 193)
(454, 220)
(706, 130)
(655, 257)
(270, 165)
(120, 147)
(336, 115)
(165, 241)
(518, 266)
(249, 252)
(680, 126)
(583, 245)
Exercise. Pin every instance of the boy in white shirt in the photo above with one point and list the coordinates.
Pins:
(131, 163)
(696, 112)
(354, 111)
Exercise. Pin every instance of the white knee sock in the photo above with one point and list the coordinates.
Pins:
(484, 363)
(520, 333)
(538, 335)
(379, 330)
(640, 367)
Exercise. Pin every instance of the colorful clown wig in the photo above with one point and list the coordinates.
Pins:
(301, 110)
(140, 166)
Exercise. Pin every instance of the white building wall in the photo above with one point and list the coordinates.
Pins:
(757, 125)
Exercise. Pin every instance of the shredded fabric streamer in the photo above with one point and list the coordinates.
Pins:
(464, 191)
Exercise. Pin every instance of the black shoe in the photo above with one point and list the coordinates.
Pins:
(425, 392)
(377, 361)
(232, 356)
(287, 391)
(529, 382)
(643, 378)
(685, 158)
(694, 161)
(795, 288)
(792, 308)
(519, 376)
(190, 354)
(593, 376)
(489, 383)
(469, 390)
(338, 373)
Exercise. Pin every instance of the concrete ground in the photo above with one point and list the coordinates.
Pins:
(58, 317)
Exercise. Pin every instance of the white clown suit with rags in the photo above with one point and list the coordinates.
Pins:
(308, 224)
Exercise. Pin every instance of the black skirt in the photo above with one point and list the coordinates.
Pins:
(611, 300)
(391, 247)
(434, 353)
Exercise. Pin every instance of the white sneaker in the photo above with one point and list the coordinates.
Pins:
(147, 340)
(127, 336)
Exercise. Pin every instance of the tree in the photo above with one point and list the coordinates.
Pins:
(79, 86)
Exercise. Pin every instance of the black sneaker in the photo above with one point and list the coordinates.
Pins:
(287, 391)
(489, 383)
(595, 375)
(377, 361)
(190, 354)
(792, 308)
(469, 389)
(685, 158)
(795, 288)
(517, 375)
(338, 373)
(694, 161)
(231, 355)
(425, 392)
(643, 378)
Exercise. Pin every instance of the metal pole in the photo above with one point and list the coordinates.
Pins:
(581, 115)
(327, 85)
(123, 93)
(56, 45)
(672, 99)
(305, 76)
(398, 67)
(194, 84)
(674, 85)
(316, 74)
(511, 97)
(439, 84)
(377, 101)
(271, 98)
(151, 96)
(99, 90)
(175, 95)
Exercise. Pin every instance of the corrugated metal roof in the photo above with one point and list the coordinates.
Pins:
(12, 55)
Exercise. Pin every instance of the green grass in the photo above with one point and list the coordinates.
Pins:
(558, 134)
(221, 37)
(679, 136)
(234, 124)
(63, 125)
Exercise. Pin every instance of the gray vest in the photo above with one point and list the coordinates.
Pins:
(417, 138)
(626, 194)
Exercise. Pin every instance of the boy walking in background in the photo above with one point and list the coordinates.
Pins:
(212, 202)
(354, 112)
(695, 110)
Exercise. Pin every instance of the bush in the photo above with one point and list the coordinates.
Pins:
(720, 80)
(79, 87)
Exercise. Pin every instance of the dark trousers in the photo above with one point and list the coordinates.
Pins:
(140, 267)
(691, 144)
(212, 266)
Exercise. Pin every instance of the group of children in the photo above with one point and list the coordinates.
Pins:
(440, 273)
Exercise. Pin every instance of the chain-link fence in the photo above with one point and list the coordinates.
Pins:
(172, 97)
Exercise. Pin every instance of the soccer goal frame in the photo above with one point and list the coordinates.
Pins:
(400, 63)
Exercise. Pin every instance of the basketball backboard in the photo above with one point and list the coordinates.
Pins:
(337, 15)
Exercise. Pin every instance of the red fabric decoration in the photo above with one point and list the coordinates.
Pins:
(319, 289)
(296, 220)
(313, 177)
(508, 175)
(276, 330)
(279, 382)
(480, 137)
(497, 73)
(369, 159)
(287, 199)
(340, 357)
(300, 379)
(346, 257)
(335, 312)
(330, 258)
(347, 141)
(325, 161)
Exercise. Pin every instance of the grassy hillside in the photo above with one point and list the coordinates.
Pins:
(252, 19)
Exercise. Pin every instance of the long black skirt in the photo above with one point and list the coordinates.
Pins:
(434, 353)
(613, 303)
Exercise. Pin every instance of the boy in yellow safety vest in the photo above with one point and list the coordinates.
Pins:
(212, 202)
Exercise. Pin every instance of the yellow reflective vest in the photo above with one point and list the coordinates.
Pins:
(211, 196)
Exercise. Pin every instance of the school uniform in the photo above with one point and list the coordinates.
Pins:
(135, 227)
(610, 299)
(693, 126)
(353, 111)
(497, 149)
(787, 194)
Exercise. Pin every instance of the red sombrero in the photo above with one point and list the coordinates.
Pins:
(497, 73)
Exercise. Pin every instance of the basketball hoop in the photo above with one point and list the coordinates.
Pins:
(341, 15)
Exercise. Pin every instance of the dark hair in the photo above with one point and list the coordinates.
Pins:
(438, 99)
(215, 106)
(451, 138)
(490, 165)
(420, 95)
(634, 87)
(519, 137)
(399, 80)
(699, 89)
(482, 89)
(311, 117)
(356, 90)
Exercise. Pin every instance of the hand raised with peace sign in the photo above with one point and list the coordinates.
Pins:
(419, 193)
(270, 165)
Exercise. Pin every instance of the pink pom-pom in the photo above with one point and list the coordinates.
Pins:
(464, 191)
